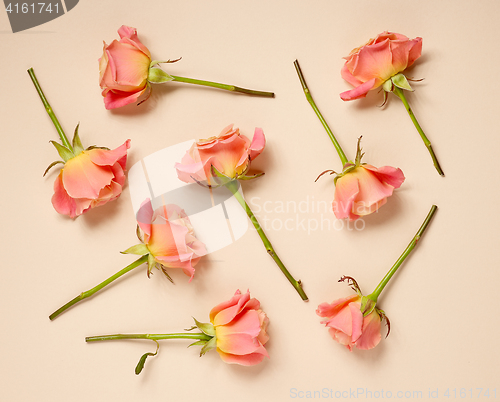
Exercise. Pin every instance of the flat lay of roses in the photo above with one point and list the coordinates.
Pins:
(237, 328)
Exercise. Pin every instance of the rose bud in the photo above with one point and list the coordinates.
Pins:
(237, 329)
(123, 69)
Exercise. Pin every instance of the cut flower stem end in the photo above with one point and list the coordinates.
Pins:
(376, 293)
(400, 94)
(310, 99)
(226, 87)
(49, 110)
(234, 188)
(95, 289)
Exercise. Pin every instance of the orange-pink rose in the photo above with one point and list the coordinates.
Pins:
(240, 330)
(372, 64)
(169, 238)
(123, 69)
(364, 189)
(230, 153)
(90, 179)
(347, 325)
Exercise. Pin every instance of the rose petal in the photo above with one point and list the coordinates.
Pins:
(114, 99)
(347, 75)
(344, 320)
(245, 360)
(247, 323)
(145, 217)
(358, 92)
(61, 201)
(231, 302)
(223, 316)
(103, 157)
(83, 179)
(375, 61)
(415, 51)
(130, 33)
(346, 190)
(258, 143)
(371, 332)
(371, 189)
(388, 174)
(329, 310)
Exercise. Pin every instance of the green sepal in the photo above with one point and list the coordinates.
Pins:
(198, 343)
(77, 143)
(211, 344)
(352, 283)
(383, 316)
(367, 305)
(95, 147)
(164, 270)
(220, 178)
(348, 167)
(64, 152)
(401, 82)
(387, 85)
(158, 76)
(155, 62)
(138, 249)
(359, 154)
(245, 177)
(51, 166)
(139, 234)
(151, 263)
(206, 328)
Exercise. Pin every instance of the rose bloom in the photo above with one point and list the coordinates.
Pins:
(230, 153)
(364, 190)
(347, 325)
(169, 237)
(123, 69)
(90, 179)
(370, 65)
(240, 330)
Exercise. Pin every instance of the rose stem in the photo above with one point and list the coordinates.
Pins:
(95, 289)
(223, 86)
(399, 92)
(310, 99)
(233, 187)
(153, 337)
(49, 110)
(405, 254)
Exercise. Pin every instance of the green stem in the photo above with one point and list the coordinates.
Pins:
(310, 99)
(233, 186)
(400, 93)
(231, 88)
(153, 337)
(405, 254)
(49, 110)
(95, 289)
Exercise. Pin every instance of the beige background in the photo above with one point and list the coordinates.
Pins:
(443, 305)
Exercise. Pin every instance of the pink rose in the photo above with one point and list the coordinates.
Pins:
(168, 238)
(230, 153)
(347, 325)
(372, 64)
(90, 179)
(123, 69)
(240, 330)
(364, 189)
